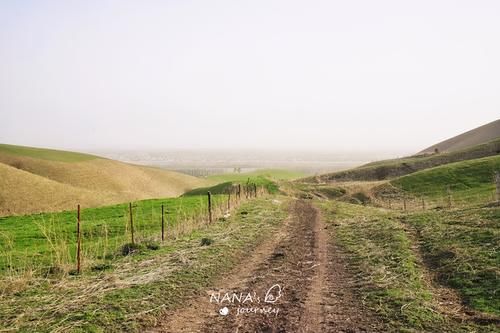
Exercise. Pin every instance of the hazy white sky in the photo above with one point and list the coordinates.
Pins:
(362, 75)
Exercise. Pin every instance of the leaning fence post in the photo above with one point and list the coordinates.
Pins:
(162, 223)
(79, 242)
(209, 207)
(423, 203)
(131, 222)
(497, 181)
(449, 196)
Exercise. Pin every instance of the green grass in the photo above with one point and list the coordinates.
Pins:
(380, 254)
(46, 154)
(221, 188)
(466, 180)
(463, 248)
(48, 239)
(117, 300)
(228, 180)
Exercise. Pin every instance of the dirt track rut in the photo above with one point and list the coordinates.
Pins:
(303, 263)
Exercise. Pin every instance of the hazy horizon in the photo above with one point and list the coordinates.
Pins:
(386, 77)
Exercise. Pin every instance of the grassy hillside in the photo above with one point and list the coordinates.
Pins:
(35, 180)
(388, 169)
(46, 154)
(465, 179)
(468, 139)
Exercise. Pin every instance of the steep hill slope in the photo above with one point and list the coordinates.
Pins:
(468, 139)
(34, 180)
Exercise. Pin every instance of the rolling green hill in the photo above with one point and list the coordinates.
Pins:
(394, 168)
(477, 175)
(38, 180)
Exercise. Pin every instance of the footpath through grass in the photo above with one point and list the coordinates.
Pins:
(392, 281)
(139, 288)
(462, 247)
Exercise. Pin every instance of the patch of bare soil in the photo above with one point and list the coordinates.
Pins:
(294, 282)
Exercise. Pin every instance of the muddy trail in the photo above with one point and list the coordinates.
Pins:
(296, 281)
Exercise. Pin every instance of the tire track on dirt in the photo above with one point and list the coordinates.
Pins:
(291, 266)
(191, 317)
(317, 291)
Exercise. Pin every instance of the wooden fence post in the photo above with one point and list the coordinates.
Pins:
(229, 200)
(497, 181)
(449, 196)
(131, 222)
(255, 189)
(162, 223)
(423, 203)
(404, 203)
(239, 192)
(209, 207)
(79, 243)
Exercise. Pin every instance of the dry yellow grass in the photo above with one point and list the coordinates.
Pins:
(31, 185)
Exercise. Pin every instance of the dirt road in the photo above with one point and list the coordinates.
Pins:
(294, 282)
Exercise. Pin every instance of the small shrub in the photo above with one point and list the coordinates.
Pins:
(53, 271)
(130, 248)
(101, 267)
(332, 192)
(361, 197)
(152, 245)
(206, 241)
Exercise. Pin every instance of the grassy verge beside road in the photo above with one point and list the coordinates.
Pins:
(138, 288)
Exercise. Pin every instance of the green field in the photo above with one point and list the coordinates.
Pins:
(47, 241)
(132, 293)
(45, 154)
